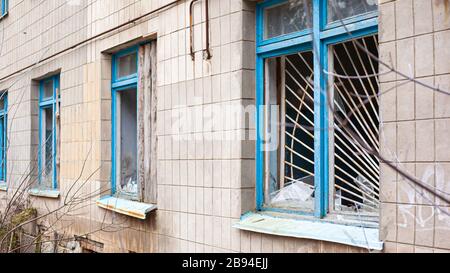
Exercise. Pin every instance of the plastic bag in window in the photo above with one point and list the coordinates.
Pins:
(293, 193)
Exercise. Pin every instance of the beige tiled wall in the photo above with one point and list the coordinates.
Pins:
(414, 38)
(205, 185)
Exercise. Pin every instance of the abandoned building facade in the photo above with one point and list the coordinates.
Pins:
(228, 125)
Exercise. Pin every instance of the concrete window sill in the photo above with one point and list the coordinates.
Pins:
(45, 193)
(308, 229)
(3, 186)
(126, 207)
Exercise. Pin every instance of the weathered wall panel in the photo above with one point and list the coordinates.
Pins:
(204, 184)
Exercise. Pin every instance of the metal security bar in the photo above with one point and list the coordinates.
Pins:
(46, 172)
(298, 112)
(291, 168)
(355, 173)
(356, 112)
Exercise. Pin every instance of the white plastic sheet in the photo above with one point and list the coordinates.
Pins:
(294, 194)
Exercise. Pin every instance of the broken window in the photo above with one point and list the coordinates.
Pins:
(289, 17)
(309, 158)
(3, 135)
(125, 125)
(49, 105)
(290, 154)
(133, 124)
(356, 115)
(126, 135)
(342, 9)
(47, 147)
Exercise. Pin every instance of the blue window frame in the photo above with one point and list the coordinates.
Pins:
(3, 135)
(49, 105)
(316, 38)
(3, 7)
(124, 177)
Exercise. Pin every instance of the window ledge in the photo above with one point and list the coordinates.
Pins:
(126, 207)
(3, 186)
(307, 229)
(46, 193)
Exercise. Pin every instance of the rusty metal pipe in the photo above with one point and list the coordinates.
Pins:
(207, 51)
(191, 28)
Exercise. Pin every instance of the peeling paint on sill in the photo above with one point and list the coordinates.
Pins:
(126, 207)
(46, 193)
(315, 230)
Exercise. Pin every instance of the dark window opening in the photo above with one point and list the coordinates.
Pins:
(356, 86)
(290, 156)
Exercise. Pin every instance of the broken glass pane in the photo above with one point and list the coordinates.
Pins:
(126, 152)
(292, 16)
(289, 134)
(127, 65)
(47, 148)
(342, 9)
(356, 89)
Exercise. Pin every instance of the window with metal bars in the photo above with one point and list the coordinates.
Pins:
(356, 118)
(290, 167)
(49, 132)
(317, 91)
(3, 135)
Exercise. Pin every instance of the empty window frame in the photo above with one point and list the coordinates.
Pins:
(3, 135)
(289, 119)
(124, 125)
(3, 7)
(355, 119)
(302, 164)
(49, 130)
